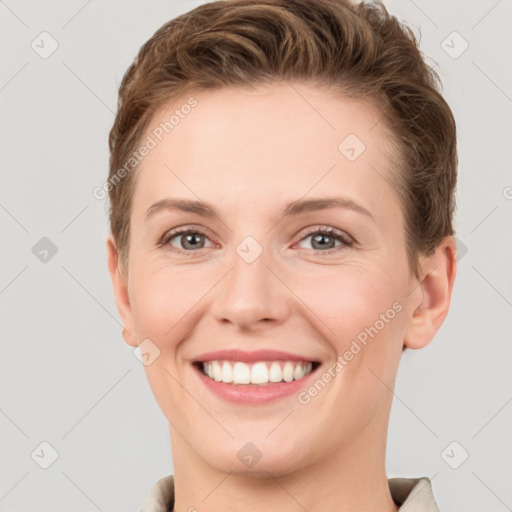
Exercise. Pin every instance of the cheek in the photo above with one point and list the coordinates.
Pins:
(163, 299)
(365, 315)
(350, 301)
(164, 304)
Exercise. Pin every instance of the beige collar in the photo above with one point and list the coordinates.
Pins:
(411, 494)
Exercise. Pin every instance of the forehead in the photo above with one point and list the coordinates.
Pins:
(267, 144)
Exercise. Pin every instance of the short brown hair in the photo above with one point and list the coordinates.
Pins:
(360, 49)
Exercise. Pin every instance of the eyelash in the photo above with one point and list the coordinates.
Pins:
(331, 232)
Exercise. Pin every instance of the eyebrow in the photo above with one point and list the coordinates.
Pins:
(298, 207)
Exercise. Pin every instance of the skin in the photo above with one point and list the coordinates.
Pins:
(248, 152)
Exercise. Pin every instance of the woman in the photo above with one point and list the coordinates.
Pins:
(282, 181)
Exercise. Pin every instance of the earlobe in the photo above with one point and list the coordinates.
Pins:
(120, 288)
(435, 290)
(129, 337)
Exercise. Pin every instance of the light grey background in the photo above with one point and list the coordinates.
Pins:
(68, 378)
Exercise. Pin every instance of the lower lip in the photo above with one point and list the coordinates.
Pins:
(243, 393)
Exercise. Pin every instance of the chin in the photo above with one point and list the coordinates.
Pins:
(273, 466)
(257, 459)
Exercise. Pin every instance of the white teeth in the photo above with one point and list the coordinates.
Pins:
(275, 373)
(241, 374)
(299, 372)
(288, 372)
(259, 374)
(227, 372)
(217, 372)
(256, 373)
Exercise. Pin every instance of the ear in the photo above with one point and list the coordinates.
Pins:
(435, 291)
(120, 285)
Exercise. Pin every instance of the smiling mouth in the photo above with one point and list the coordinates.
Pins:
(259, 373)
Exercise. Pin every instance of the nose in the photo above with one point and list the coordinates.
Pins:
(251, 296)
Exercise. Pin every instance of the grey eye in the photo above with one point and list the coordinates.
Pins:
(187, 240)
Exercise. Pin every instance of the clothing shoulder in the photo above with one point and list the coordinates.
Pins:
(410, 494)
(413, 494)
(160, 497)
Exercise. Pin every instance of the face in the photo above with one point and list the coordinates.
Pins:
(273, 267)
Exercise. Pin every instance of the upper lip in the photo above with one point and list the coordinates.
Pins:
(252, 356)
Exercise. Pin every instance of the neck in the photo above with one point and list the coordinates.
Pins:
(349, 479)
